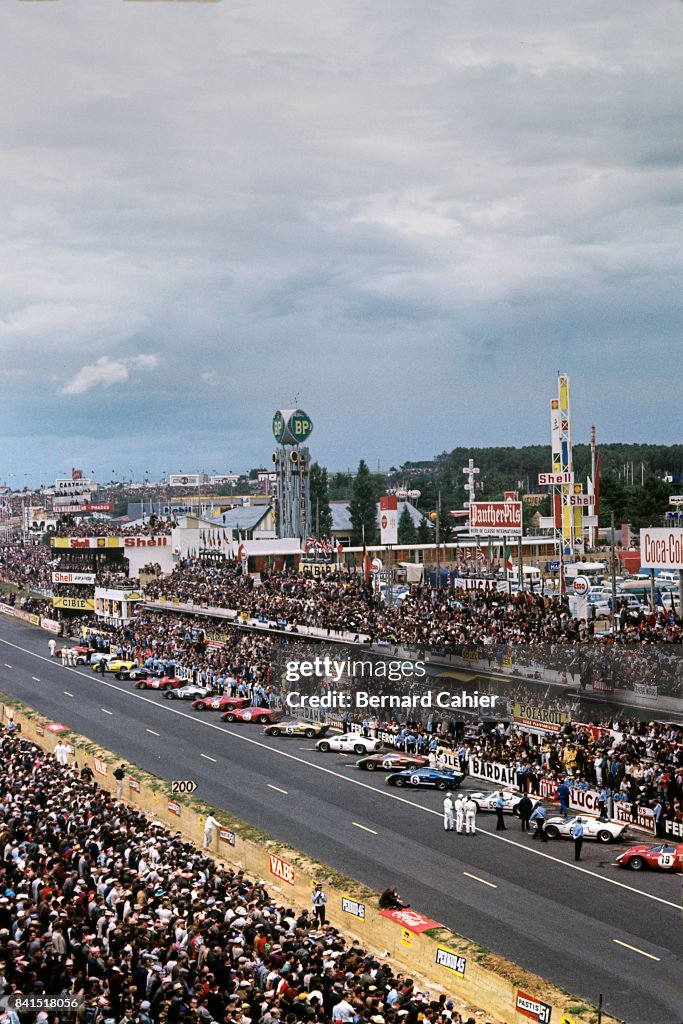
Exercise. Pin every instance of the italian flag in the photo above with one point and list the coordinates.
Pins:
(508, 558)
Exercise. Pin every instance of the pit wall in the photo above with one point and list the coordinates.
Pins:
(437, 957)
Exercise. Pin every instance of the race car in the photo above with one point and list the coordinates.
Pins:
(220, 703)
(349, 742)
(188, 692)
(488, 801)
(111, 663)
(389, 762)
(593, 828)
(261, 716)
(139, 672)
(436, 778)
(296, 728)
(154, 683)
(663, 857)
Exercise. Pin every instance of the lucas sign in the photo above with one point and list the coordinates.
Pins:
(388, 519)
(496, 518)
(661, 549)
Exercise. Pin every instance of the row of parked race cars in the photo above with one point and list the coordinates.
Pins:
(403, 770)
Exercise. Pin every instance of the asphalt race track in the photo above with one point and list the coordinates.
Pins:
(589, 928)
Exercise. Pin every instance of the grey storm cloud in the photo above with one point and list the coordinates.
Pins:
(410, 215)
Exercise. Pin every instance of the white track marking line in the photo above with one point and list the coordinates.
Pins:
(365, 828)
(106, 712)
(152, 732)
(482, 880)
(35, 679)
(277, 788)
(355, 782)
(636, 950)
(67, 694)
(6, 665)
(209, 758)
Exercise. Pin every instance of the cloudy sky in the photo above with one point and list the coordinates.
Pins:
(411, 215)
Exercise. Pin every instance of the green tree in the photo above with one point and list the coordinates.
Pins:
(363, 507)
(321, 513)
(425, 535)
(407, 534)
(649, 503)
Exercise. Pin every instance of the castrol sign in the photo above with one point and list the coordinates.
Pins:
(661, 548)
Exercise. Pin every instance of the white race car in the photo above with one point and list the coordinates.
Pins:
(350, 743)
(593, 828)
(488, 801)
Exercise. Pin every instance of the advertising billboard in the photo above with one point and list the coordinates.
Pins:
(496, 518)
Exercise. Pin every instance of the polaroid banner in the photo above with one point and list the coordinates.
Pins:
(532, 1008)
(451, 961)
(353, 907)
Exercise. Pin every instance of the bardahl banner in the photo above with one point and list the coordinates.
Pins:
(496, 518)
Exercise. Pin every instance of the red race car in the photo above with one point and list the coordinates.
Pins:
(155, 683)
(220, 703)
(261, 716)
(663, 857)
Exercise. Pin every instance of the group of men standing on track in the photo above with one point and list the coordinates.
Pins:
(462, 811)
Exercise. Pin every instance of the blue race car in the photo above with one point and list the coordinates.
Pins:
(439, 778)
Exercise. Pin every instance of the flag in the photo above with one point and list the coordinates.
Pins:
(367, 564)
(508, 558)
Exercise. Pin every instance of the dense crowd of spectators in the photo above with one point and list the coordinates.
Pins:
(424, 618)
(27, 566)
(103, 904)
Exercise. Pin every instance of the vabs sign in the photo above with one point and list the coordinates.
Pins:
(281, 869)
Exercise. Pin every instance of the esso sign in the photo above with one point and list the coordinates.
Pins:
(581, 586)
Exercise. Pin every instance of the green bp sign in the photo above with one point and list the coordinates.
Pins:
(291, 426)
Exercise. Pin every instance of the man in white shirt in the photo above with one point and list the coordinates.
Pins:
(459, 813)
(448, 813)
(470, 816)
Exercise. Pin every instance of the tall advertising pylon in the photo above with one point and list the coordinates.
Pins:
(568, 496)
(292, 464)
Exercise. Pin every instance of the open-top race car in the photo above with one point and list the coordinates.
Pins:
(436, 778)
(593, 828)
(391, 762)
(112, 663)
(662, 857)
